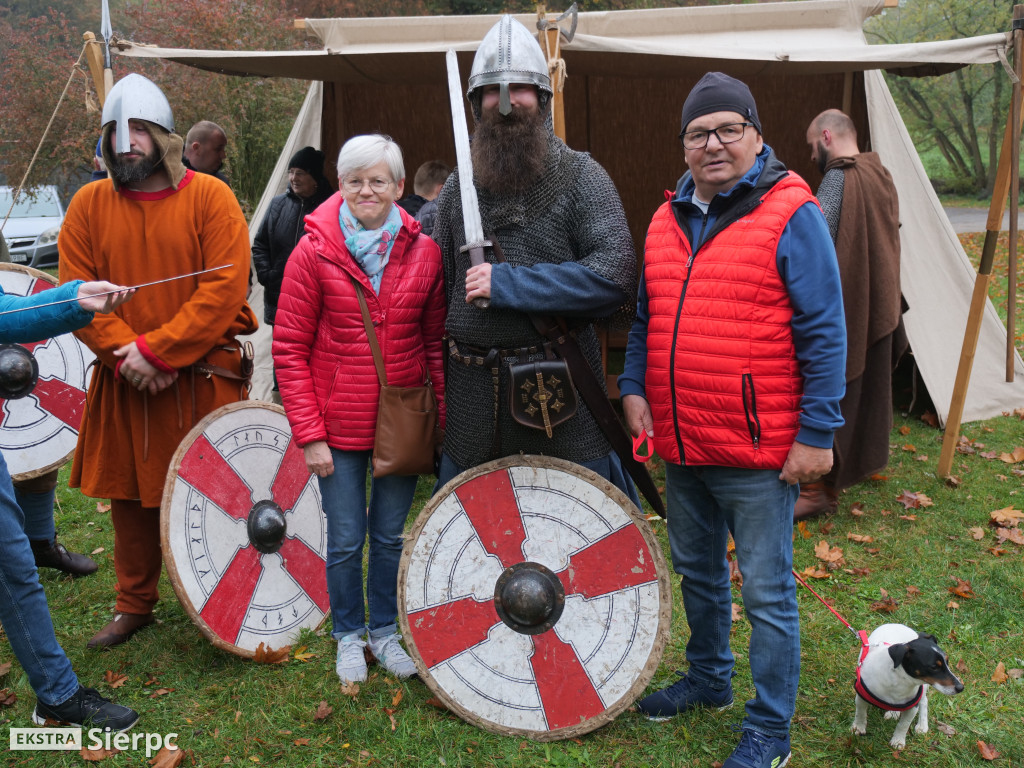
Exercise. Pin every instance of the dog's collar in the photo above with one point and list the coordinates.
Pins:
(865, 693)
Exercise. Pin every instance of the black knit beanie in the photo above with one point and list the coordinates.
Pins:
(310, 160)
(717, 92)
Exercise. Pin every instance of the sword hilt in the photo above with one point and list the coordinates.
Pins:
(477, 256)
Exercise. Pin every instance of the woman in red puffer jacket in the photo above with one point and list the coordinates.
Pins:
(329, 386)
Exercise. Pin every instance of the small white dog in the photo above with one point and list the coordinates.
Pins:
(895, 670)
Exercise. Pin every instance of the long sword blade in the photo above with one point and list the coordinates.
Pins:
(107, 32)
(470, 204)
(126, 288)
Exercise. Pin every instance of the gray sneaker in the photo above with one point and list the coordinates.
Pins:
(392, 656)
(351, 663)
(87, 708)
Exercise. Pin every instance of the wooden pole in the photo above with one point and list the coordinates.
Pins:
(1011, 272)
(970, 345)
(94, 58)
(550, 44)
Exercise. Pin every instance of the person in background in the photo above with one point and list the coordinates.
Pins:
(862, 209)
(426, 185)
(24, 614)
(163, 363)
(282, 227)
(734, 369)
(434, 174)
(359, 241)
(99, 168)
(205, 149)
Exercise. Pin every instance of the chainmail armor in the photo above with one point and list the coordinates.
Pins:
(830, 195)
(575, 202)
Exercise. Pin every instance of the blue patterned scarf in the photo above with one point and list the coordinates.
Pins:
(371, 248)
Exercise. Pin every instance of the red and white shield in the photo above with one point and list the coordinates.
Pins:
(535, 599)
(38, 432)
(243, 532)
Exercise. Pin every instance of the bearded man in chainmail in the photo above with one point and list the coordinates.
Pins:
(562, 247)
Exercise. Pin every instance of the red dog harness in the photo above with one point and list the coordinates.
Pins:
(863, 691)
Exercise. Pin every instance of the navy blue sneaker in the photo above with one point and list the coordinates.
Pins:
(756, 750)
(681, 696)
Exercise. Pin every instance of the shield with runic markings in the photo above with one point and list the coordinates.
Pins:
(39, 429)
(243, 532)
(534, 598)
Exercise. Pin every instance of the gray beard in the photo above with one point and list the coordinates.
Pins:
(509, 153)
(127, 172)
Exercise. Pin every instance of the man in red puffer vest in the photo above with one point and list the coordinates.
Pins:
(734, 369)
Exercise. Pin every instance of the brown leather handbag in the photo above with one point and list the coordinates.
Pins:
(407, 419)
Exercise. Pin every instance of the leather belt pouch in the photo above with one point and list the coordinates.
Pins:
(541, 393)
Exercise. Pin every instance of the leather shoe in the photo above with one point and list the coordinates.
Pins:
(120, 629)
(815, 499)
(50, 554)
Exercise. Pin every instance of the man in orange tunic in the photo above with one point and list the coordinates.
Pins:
(152, 219)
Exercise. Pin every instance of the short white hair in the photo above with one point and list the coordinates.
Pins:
(365, 151)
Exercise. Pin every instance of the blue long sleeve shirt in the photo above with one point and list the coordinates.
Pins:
(42, 322)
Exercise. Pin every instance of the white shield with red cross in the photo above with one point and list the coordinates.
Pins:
(535, 599)
(243, 531)
(38, 431)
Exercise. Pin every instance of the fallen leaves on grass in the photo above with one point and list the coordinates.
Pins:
(350, 689)
(1014, 535)
(946, 728)
(904, 430)
(909, 448)
(930, 419)
(977, 533)
(436, 703)
(323, 711)
(161, 692)
(301, 742)
(802, 527)
(5, 668)
(1007, 517)
(857, 509)
(909, 518)
(95, 755)
(1013, 457)
(267, 655)
(1000, 676)
(987, 752)
(814, 572)
(168, 758)
(301, 654)
(885, 605)
(101, 507)
(397, 698)
(832, 556)
(7, 699)
(114, 679)
(913, 591)
(860, 538)
(913, 500)
(952, 605)
(963, 589)
(954, 481)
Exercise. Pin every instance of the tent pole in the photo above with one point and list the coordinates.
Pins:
(1011, 273)
(1000, 193)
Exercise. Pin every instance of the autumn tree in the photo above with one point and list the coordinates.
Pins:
(962, 115)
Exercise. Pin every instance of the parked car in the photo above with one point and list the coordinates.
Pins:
(31, 231)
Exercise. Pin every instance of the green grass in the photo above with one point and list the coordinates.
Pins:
(230, 711)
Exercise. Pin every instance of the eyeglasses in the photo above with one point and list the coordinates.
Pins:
(726, 134)
(355, 186)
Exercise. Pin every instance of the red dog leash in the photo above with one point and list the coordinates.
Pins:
(862, 690)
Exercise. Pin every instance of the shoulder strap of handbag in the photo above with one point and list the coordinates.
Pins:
(371, 333)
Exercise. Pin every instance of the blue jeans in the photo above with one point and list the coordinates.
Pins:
(23, 610)
(344, 499)
(705, 504)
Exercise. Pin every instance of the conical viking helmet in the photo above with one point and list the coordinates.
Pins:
(509, 54)
(135, 98)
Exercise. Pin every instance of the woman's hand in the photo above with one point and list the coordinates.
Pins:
(91, 299)
(319, 461)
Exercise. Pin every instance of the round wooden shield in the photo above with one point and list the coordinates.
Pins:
(243, 532)
(534, 598)
(38, 432)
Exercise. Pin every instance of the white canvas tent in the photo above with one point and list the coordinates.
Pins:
(628, 74)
